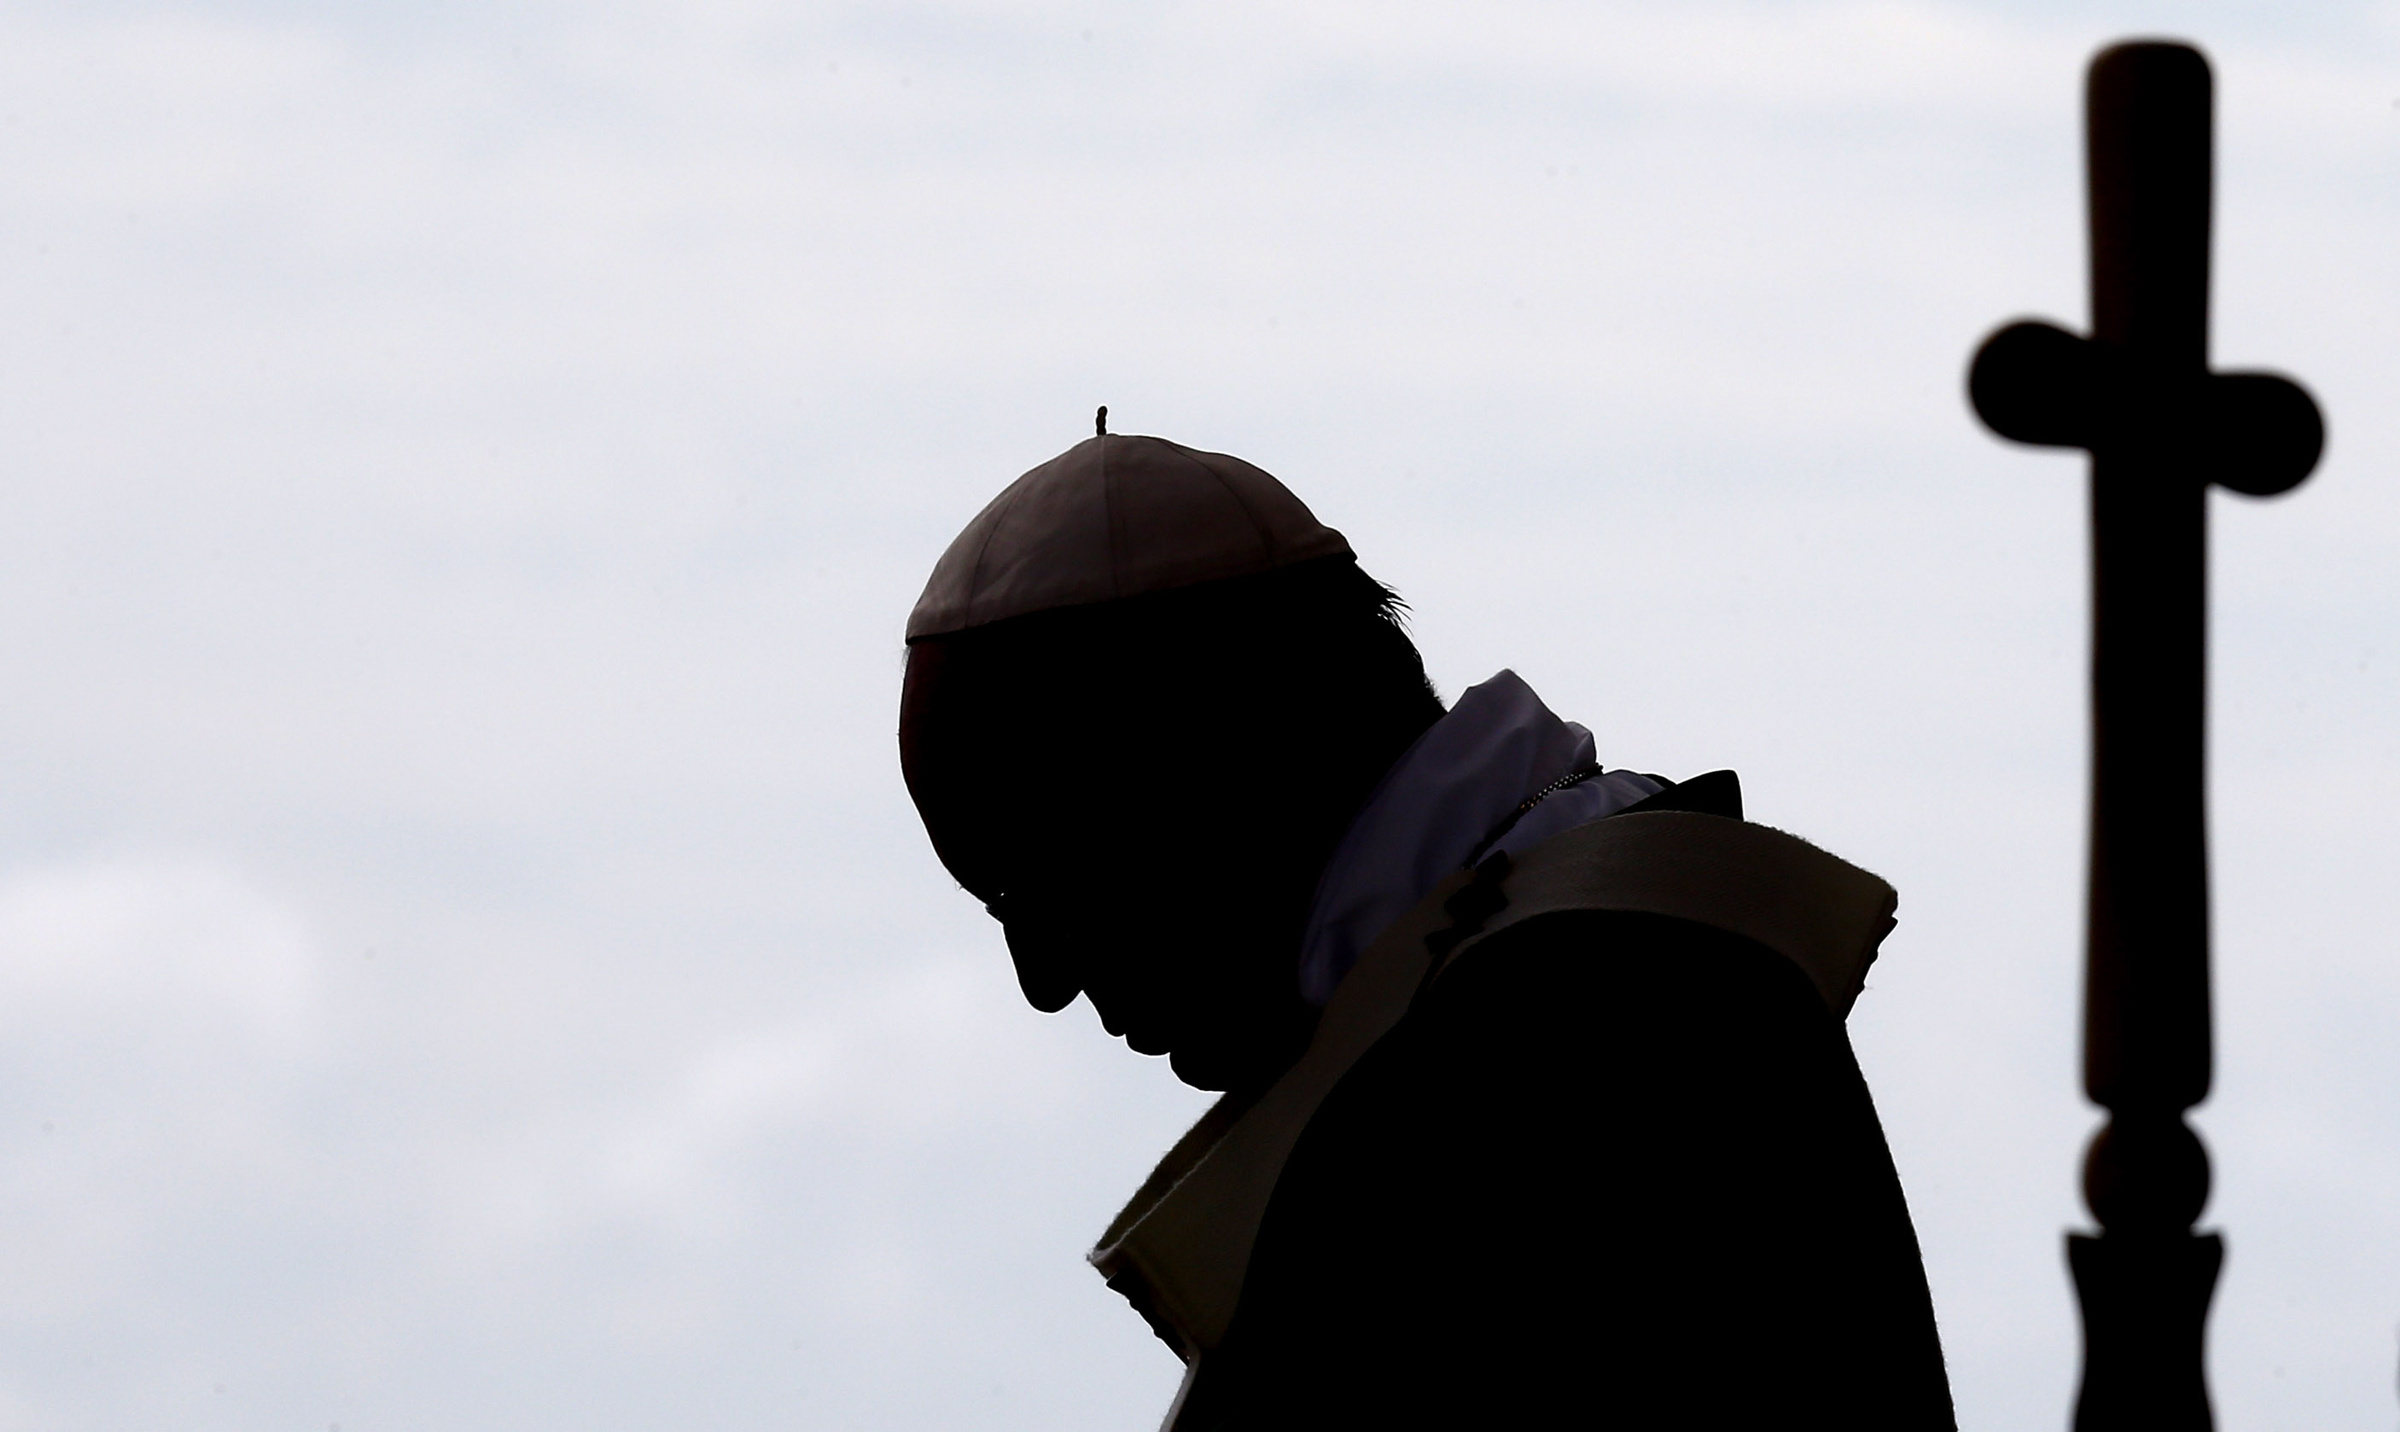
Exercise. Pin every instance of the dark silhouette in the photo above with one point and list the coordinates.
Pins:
(1082, 770)
(1570, 1133)
(2161, 427)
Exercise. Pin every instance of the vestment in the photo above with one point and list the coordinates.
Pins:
(1580, 1142)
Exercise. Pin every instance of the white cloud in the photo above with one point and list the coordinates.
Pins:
(109, 948)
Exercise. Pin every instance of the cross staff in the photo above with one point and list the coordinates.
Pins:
(2160, 427)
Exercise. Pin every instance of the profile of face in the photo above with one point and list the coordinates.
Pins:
(1145, 791)
(1163, 906)
(1157, 858)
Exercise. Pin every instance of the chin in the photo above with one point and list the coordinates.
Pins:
(1244, 1067)
(1203, 1070)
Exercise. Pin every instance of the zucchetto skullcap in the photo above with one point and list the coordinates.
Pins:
(1115, 517)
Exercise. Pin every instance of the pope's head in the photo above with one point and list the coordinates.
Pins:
(1146, 692)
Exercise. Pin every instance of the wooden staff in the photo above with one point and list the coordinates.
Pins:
(2160, 427)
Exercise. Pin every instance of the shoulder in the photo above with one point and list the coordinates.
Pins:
(1825, 915)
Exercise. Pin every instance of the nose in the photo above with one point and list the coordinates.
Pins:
(1046, 968)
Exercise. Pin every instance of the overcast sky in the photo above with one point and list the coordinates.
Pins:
(466, 958)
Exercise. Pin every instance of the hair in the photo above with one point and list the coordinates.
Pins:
(1302, 681)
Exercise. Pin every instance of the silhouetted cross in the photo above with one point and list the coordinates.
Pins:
(2161, 427)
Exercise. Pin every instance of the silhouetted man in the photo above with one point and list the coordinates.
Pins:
(1538, 1107)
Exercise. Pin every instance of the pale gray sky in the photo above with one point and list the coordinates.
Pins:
(466, 959)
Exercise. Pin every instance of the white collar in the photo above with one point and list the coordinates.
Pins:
(1496, 747)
